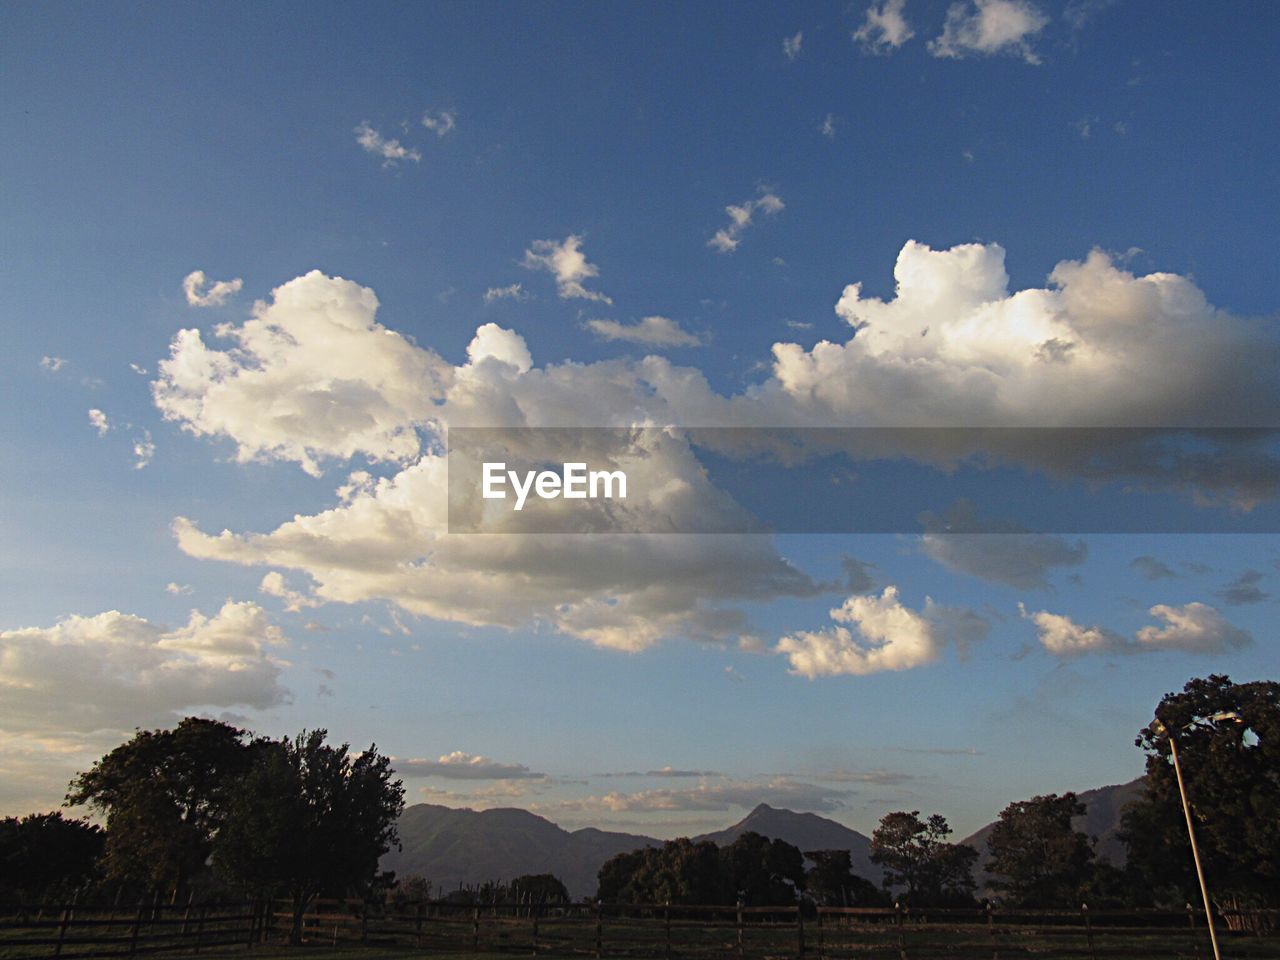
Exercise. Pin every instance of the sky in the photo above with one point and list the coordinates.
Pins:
(258, 258)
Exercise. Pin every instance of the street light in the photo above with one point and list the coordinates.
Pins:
(1191, 830)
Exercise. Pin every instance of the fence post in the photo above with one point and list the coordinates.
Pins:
(62, 931)
(799, 932)
(991, 928)
(822, 943)
(475, 930)
(902, 932)
(364, 921)
(533, 910)
(133, 932)
(666, 929)
(739, 930)
(417, 925)
(599, 930)
(200, 927)
(251, 938)
(1088, 931)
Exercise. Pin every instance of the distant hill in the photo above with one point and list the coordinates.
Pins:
(450, 846)
(808, 831)
(1101, 820)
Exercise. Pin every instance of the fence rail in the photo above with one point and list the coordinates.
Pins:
(668, 931)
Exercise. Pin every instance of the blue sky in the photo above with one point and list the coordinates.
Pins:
(142, 144)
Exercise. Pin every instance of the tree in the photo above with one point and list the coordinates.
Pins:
(310, 819)
(46, 854)
(680, 871)
(539, 888)
(831, 882)
(1231, 768)
(762, 872)
(165, 794)
(1037, 858)
(916, 856)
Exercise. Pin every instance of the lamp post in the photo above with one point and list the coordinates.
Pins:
(1191, 830)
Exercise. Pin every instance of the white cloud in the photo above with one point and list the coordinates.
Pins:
(194, 286)
(650, 331)
(274, 585)
(1194, 628)
(98, 420)
(116, 671)
(1063, 637)
(312, 375)
(828, 128)
(885, 28)
(177, 589)
(713, 795)
(465, 766)
(990, 27)
(493, 342)
(52, 364)
(791, 45)
(885, 635)
(391, 151)
(513, 291)
(441, 123)
(144, 449)
(726, 239)
(568, 264)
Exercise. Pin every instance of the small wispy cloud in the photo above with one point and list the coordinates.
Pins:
(791, 45)
(989, 27)
(568, 264)
(650, 332)
(828, 128)
(391, 151)
(884, 29)
(52, 364)
(512, 291)
(459, 765)
(201, 292)
(441, 123)
(99, 421)
(727, 238)
(144, 450)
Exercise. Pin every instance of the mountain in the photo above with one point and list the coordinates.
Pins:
(1101, 820)
(808, 831)
(449, 846)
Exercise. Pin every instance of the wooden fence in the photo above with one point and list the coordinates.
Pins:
(628, 930)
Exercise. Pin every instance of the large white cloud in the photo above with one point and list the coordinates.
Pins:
(311, 374)
(1192, 628)
(115, 671)
(882, 634)
(989, 27)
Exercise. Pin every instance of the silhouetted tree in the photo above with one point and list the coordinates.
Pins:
(165, 795)
(680, 871)
(762, 872)
(46, 854)
(831, 882)
(1231, 768)
(1038, 859)
(308, 819)
(539, 888)
(916, 856)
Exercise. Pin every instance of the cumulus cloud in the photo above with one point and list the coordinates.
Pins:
(1193, 628)
(966, 543)
(115, 671)
(1151, 568)
(791, 45)
(727, 238)
(650, 331)
(882, 634)
(98, 420)
(441, 123)
(201, 292)
(177, 589)
(311, 375)
(885, 28)
(990, 27)
(52, 364)
(828, 128)
(391, 151)
(1244, 589)
(513, 291)
(568, 264)
(275, 585)
(465, 766)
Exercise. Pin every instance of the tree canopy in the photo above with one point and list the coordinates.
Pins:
(918, 859)
(47, 854)
(1228, 742)
(1038, 859)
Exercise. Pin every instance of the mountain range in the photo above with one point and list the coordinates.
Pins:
(450, 846)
